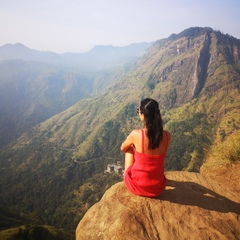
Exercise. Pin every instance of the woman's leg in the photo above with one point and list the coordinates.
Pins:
(129, 158)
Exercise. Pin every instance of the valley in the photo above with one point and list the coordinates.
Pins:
(64, 127)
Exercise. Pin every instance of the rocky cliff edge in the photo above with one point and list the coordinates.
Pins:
(193, 206)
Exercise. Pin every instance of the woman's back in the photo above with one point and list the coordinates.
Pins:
(139, 146)
(146, 176)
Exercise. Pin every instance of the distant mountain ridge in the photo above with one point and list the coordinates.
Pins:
(20, 51)
(195, 77)
(99, 57)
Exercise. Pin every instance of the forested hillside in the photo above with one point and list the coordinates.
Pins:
(54, 172)
(35, 85)
(32, 92)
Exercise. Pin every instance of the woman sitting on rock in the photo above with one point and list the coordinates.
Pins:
(145, 150)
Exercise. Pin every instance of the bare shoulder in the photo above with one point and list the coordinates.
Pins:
(136, 132)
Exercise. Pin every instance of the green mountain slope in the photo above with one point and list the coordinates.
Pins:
(56, 171)
(32, 92)
(36, 85)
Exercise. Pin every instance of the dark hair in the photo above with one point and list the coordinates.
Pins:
(153, 120)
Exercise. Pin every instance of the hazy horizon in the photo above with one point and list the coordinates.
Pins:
(77, 26)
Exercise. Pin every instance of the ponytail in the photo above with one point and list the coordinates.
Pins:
(153, 121)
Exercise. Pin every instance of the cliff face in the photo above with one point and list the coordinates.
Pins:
(190, 65)
(193, 206)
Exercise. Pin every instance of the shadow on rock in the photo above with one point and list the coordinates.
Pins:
(190, 193)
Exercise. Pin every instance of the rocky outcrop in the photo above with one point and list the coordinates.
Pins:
(193, 206)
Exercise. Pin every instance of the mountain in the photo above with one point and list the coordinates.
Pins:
(32, 92)
(36, 85)
(55, 171)
(100, 57)
(19, 51)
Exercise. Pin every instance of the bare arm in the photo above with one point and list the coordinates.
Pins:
(129, 142)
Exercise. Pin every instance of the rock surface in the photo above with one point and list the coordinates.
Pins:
(193, 206)
(227, 175)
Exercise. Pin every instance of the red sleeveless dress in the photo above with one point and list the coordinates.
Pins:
(146, 176)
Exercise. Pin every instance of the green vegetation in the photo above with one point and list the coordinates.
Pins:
(33, 232)
(231, 148)
(54, 172)
(224, 153)
(189, 138)
(32, 92)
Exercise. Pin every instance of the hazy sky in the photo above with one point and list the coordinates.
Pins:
(77, 25)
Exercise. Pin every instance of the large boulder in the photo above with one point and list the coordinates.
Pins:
(193, 206)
